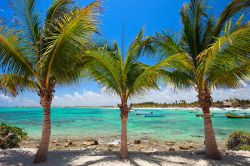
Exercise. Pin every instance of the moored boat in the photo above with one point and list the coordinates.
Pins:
(144, 113)
(234, 115)
(201, 115)
(152, 115)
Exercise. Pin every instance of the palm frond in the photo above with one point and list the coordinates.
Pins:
(27, 20)
(14, 84)
(192, 15)
(12, 58)
(57, 9)
(105, 69)
(135, 48)
(178, 79)
(207, 32)
(229, 55)
(165, 44)
(138, 47)
(168, 70)
(235, 7)
(140, 79)
(73, 32)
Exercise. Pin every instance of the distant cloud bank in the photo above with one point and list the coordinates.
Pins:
(91, 98)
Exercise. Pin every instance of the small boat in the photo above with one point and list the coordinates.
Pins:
(234, 115)
(144, 113)
(192, 112)
(201, 115)
(152, 115)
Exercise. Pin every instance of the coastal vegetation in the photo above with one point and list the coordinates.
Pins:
(182, 103)
(239, 140)
(209, 53)
(39, 57)
(122, 75)
(11, 136)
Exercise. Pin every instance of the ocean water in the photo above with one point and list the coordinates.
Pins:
(176, 125)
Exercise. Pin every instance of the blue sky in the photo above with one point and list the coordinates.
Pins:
(153, 16)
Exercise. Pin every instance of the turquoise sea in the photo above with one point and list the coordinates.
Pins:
(176, 125)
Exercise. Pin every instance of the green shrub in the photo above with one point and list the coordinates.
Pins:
(239, 140)
(245, 147)
(11, 136)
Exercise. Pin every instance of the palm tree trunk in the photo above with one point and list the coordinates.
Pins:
(211, 148)
(124, 118)
(46, 99)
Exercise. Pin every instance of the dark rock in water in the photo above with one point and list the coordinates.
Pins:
(137, 142)
(171, 149)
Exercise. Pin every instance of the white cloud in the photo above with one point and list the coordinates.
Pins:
(17, 101)
(86, 98)
(4, 97)
(91, 98)
(165, 95)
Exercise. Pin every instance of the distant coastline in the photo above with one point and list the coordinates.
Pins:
(182, 104)
(147, 108)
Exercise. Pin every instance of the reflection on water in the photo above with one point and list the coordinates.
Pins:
(96, 122)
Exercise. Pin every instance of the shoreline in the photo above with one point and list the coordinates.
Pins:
(113, 144)
(115, 107)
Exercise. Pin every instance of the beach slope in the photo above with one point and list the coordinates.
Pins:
(24, 156)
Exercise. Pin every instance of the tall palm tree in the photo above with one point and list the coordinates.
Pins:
(38, 57)
(123, 76)
(208, 54)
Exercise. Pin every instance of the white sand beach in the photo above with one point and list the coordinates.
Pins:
(24, 157)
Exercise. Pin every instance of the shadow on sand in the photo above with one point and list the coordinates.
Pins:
(88, 157)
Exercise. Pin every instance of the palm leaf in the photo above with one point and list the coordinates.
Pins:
(230, 11)
(12, 58)
(15, 84)
(225, 56)
(73, 31)
(27, 20)
(105, 68)
(57, 9)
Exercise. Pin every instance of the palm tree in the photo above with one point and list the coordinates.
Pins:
(123, 76)
(35, 57)
(208, 54)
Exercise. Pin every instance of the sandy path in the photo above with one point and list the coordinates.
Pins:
(24, 156)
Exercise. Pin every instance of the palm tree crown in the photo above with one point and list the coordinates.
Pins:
(47, 53)
(208, 54)
(38, 57)
(123, 76)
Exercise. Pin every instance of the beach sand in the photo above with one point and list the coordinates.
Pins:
(90, 157)
(86, 151)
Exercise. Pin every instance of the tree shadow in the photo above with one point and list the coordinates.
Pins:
(88, 157)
